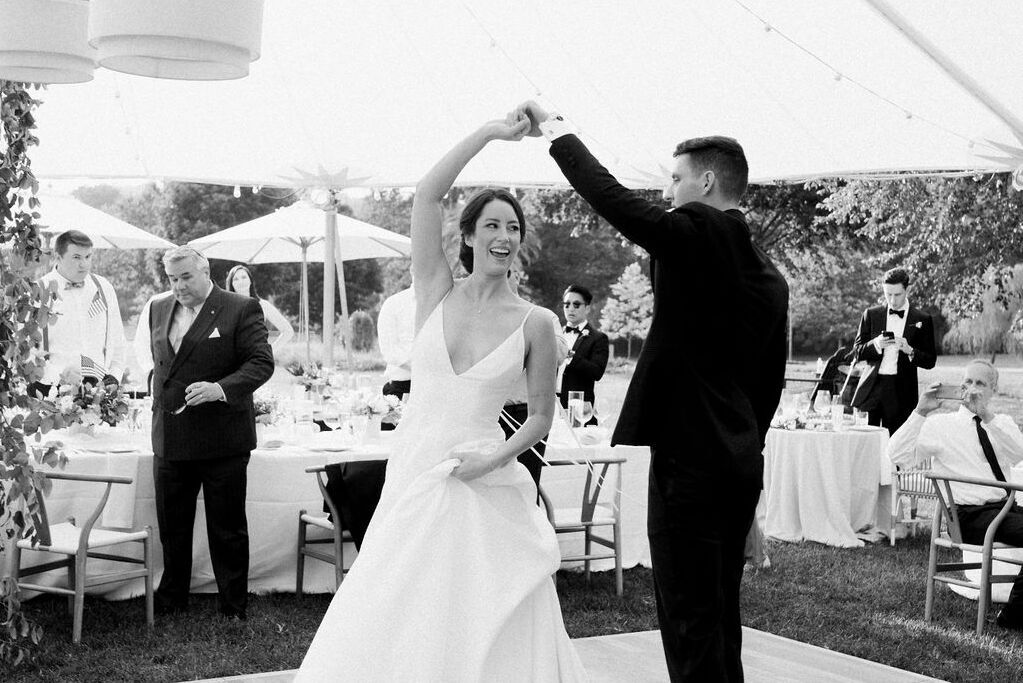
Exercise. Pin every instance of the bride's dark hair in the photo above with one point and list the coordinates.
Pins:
(229, 281)
(471, 213)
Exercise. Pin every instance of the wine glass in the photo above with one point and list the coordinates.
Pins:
(331, 415)
(822, 403)
(584, 411)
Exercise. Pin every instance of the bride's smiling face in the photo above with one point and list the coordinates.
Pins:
(496, 239)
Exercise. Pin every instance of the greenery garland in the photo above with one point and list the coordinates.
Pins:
(24, 312)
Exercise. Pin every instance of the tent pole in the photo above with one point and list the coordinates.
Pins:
(346, 330)
(330, 239)
(303, 309)
(967, 82)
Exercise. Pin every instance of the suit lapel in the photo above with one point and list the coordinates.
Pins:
(200, 328)
(578, 341)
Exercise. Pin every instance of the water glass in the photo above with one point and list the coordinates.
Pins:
(575, 407)
(837, 417)
(860, 417)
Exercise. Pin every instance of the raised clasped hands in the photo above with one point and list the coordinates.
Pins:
(506, 129)
(528, 111)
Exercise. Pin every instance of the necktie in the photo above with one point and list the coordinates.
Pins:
(569, 328)
(74, 285)
(892, 311)
(989, 451)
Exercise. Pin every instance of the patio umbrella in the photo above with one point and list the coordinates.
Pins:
(297, 234)
(58, 213)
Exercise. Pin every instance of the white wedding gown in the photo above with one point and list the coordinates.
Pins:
(454, 579)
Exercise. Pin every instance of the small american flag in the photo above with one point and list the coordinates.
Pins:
(91, 368)
(98, 305)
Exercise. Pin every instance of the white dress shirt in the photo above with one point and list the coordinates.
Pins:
(570, 339)
(950, 440)
(890, 357)
(396, 328)
(88, 324)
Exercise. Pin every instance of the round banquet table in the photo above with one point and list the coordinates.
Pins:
(278, 488)
(825, 486)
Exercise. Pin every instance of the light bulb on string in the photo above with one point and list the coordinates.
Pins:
(237, 192)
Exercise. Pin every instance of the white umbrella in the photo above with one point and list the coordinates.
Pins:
(297, 234)
(59, 214)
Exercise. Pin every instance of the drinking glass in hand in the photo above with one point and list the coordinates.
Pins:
(576, 407)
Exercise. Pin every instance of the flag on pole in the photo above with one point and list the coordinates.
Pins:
(98, 306)
(91, 368)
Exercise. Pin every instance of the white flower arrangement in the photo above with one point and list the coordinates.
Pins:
(367, 402)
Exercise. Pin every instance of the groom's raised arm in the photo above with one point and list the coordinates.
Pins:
(647, 224)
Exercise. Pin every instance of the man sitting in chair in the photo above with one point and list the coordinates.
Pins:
(970, 442)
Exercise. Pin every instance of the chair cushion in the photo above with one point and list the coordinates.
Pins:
(64, 539)
(602, 514)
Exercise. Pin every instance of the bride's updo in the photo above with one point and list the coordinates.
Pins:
(471, 213)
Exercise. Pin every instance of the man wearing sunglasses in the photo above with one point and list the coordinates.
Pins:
(588, 348)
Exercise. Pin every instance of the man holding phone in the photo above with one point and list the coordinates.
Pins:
(893, 340)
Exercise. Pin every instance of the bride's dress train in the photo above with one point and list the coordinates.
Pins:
(454, 579)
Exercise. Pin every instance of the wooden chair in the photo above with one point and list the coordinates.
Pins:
(591, 513)
(945, 533)
(912, 495)
(78, 544)
(310, 547)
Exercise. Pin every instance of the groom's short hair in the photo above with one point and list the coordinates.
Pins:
(722, 155)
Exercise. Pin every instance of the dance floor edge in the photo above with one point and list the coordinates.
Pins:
(637, 657)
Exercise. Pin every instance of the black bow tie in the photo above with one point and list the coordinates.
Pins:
(892, 311)
(569, 328)
(74, 285)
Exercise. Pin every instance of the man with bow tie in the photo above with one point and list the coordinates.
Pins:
(87, 333)
(208, 350)
(588, 348)
(893, 340)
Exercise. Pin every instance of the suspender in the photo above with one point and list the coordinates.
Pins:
(106, 327)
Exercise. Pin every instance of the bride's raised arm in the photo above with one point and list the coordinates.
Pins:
(430, 270)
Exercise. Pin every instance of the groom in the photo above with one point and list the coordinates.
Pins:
(701, 397)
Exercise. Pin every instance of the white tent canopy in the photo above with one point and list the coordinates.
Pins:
(384, 88)
(58, 214)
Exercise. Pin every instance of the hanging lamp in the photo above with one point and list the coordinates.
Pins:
(45, 41)
(203, 40)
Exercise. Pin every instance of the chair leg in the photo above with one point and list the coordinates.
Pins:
(79, 598)
(586, 550)
(300, 557)
(619, 583)
(932, 567)
(147, 555)
(71, 583)
(984, 596)
(339, 558)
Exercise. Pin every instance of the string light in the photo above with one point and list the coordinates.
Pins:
(237, 192)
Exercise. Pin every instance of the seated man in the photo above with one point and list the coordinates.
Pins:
(971, 442)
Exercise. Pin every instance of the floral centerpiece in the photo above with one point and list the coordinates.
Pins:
(268, 407)
(72, 401)
(309, 376)
(371, 403)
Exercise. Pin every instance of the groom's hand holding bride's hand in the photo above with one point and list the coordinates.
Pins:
(532, 112)
(506, 129)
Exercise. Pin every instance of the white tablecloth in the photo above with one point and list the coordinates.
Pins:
(278, 487)
(825, 486)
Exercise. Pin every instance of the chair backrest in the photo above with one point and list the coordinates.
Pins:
(947, 512)
(914, 481)
(946, 501)
(595, 484)
(37, 509)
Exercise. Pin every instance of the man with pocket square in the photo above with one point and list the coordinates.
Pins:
(209, 352)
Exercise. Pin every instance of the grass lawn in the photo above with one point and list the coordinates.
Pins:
(866, 602)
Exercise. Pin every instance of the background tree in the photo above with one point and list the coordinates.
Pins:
(630, 308)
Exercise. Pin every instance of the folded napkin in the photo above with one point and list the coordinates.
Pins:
(592, 435)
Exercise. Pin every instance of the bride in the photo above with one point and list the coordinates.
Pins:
(454, 579)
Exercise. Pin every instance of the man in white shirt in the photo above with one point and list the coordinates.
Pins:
(396, 328)
(88, 333)
(971, 442)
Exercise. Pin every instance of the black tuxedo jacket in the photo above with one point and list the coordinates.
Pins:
(227, 344)
(712, 368)
(919, 334)
(589, 360)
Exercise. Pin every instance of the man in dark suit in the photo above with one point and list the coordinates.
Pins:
(702, 395)
(210, 352)
(588, 348)
(893, 340)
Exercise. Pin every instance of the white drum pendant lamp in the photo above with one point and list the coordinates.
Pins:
(45, 41)
(201, 40)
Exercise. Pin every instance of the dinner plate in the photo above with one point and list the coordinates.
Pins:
(330, 449)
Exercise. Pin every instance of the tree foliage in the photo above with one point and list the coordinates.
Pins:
(630, 308)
